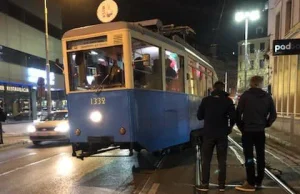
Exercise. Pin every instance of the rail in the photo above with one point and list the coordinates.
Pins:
(271, 175)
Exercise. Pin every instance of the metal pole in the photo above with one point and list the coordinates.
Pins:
(49, 101)
(226, 81)
(246, 51)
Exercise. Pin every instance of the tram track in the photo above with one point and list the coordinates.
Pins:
(280, 182)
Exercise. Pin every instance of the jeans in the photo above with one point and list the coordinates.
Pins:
(207, 150)
(256, 139)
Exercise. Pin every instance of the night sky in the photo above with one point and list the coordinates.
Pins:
(201, 15)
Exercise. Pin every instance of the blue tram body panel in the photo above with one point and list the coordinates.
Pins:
(153, 119)
(115, 114)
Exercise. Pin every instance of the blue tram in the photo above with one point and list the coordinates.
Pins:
(131, 87)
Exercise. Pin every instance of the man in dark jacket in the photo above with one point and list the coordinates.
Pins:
(2, 119)
(218, 113)
(255, 112)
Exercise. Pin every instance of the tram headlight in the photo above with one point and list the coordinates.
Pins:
(64, 127)
(31, 129)
(96, 116)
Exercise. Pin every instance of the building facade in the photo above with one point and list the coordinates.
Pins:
(256, 63)
(284, 23)
(22, 56)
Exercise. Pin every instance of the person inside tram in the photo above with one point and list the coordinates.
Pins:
(115, 75)
(139, 75)
(170, 73)
(80, 62)
(101, 76)
(156, 82)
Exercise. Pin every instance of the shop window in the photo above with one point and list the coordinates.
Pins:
(174, 72)
(146, 65)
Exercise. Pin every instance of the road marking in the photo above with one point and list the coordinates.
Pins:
(154, 188)
(31, 164)
(5, 161)
(237, 155)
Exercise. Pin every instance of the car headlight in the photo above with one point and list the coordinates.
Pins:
(31, 129)
(96, 116)
(62, 128)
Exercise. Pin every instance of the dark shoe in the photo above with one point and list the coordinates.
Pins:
(221, 187)
(246, 187)
(202, 187)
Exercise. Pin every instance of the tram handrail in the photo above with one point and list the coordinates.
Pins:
(271, 175)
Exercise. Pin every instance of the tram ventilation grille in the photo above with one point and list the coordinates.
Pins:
(118, 39)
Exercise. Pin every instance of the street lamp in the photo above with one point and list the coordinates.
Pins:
(49, 101)
(246, 16)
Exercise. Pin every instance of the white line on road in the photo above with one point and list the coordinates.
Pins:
(31, 164)
(237, 155)
(5, 161)
(154, 188)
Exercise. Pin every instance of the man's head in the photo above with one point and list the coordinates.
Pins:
(256, 82)
(220, 86)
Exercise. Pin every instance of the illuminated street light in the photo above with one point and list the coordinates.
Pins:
(246, 16)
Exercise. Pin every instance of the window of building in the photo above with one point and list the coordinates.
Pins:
(251, 64)
(277, 26)
(28, 18)
(174, 65)
(261, 63)
(262, 46)
(241, 49)
(288, 21)
(147, 65)
(252, 48)
(13, 56)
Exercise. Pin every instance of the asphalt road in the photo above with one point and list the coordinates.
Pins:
(51, 169)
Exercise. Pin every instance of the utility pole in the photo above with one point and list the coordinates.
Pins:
(226, 81)
(246, 51)
(49, 101)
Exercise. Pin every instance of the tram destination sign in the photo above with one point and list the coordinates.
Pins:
(286, 47)
(87, 43)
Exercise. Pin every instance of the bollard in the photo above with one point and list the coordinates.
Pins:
(198, 166)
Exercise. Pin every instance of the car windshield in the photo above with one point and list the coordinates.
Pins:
(56, 116)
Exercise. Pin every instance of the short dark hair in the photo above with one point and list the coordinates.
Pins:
(219, 85)
(256, 81)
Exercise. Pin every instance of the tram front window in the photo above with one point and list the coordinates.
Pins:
(96, 68)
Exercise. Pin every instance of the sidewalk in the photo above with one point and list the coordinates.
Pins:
(14, 139)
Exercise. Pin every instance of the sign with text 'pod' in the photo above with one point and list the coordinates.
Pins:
(286, 47)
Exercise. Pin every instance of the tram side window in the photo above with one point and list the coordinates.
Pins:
(146, 65)
(209, 82)
(96, 68)
(196, 78)
(202, 91)
(174, 65)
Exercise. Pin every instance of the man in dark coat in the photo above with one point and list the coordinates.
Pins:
(255, 112)
(218, 113)
(2, 119)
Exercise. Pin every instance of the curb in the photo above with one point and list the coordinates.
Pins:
(15, 134)
(23, 142)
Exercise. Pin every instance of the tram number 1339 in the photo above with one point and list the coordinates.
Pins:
(97, 101)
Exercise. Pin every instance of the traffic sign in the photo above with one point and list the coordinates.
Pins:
(107, 11)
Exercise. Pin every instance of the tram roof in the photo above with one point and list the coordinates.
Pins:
(94, 29)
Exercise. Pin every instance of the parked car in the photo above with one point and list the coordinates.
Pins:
(54, 127)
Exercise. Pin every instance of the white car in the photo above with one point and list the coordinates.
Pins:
(54, 127)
